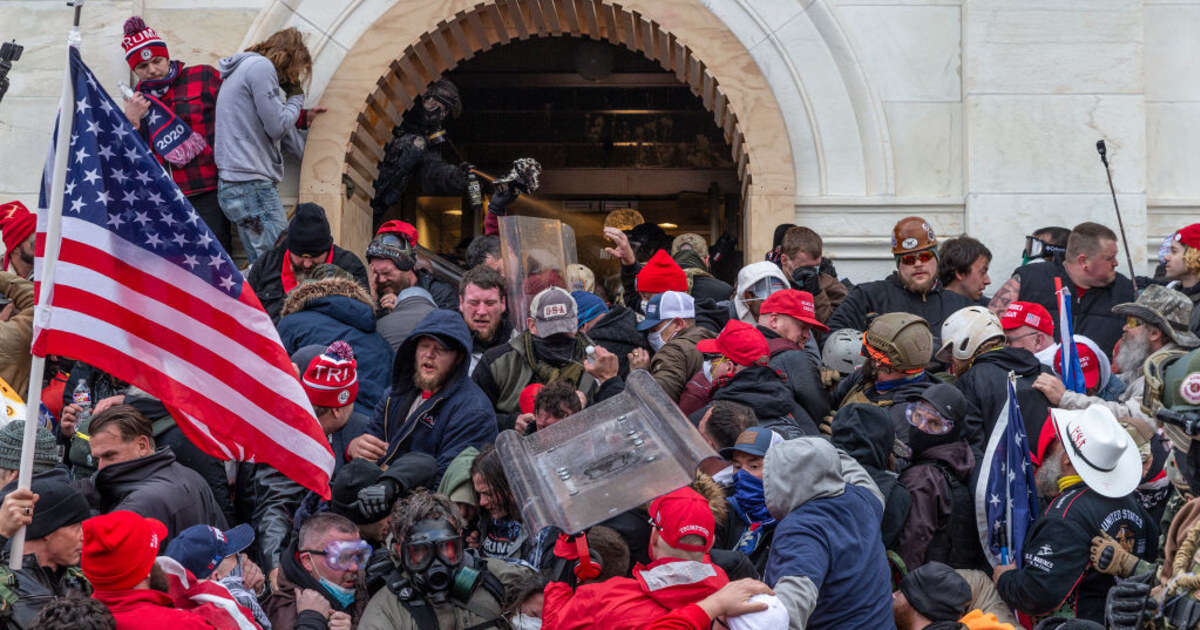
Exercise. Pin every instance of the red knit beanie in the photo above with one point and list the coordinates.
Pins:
(661, 273)
(141, 43)
(119, 549)
(16, 224)
(331, 379)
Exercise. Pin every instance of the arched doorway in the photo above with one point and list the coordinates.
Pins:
(611, 128)
(345, 145)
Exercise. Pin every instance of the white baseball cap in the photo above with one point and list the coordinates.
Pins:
(666, 306)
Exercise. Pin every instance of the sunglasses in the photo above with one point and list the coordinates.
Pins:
(344, 555)
(914, 258)
(1133, 322)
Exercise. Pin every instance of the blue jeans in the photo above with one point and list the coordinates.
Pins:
(254, 207)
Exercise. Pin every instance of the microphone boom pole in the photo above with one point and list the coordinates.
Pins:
(1102, 150)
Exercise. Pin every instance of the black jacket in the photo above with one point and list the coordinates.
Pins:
(266, 276)
(764, 390)
(941, 522)
(985, 386)
(1092, 310)
(444, 295)
(887, 296)
(865, 433)
(35, 587)
(156, 486)
(1056, 572)
(713, 315)
(617, 332)
(801, 370)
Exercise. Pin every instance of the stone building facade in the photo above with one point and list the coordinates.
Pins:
(844, 115)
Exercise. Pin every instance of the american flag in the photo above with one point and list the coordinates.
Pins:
(1006, 503)
(143, 291)
(1069, 366)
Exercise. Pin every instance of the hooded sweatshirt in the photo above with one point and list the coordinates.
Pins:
(762, 389)
(746, 278)
(865, 433)
(456, 416)
(827, 562)
(254, 120)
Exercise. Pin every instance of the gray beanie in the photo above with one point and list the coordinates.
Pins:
(46, 454)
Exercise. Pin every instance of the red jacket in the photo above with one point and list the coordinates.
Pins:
(631, 603)
(690, 617)
(145, 609)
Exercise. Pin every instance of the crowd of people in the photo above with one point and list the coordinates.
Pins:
(849, 424)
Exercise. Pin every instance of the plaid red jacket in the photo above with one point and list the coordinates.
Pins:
(193, 97)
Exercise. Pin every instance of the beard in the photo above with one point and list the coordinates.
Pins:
(1047, 476)
(488, 333)
(26, 254)
(919, 286)
(431, 383)
(1134, 350)
(158, 579)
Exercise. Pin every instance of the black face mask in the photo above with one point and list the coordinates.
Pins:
(557, 350)
(807, 279)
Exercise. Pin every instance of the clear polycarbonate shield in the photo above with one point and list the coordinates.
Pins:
(535, 253)
(604, 460)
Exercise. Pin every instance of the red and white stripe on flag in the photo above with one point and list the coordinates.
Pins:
(215, 361)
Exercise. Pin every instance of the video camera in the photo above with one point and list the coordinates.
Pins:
(9, 52)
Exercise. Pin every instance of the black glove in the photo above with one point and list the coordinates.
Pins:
(1183, 611)
(379, 567)
(376, 499)
(1129, 602)
(501, 197)
(807, 279)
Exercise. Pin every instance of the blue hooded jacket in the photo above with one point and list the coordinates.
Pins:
(335, 309)
(457, 416)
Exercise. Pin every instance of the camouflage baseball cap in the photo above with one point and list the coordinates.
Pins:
(691, 241)
(1167, 309)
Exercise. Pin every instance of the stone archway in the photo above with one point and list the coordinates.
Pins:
(346, 143)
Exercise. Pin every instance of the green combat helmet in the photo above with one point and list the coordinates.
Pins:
(1176, 379)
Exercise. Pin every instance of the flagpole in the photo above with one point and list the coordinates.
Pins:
(66, 111)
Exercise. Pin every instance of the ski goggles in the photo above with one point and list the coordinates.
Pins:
(429, 539)
(915, 257)
(344, 555)
(1037, 248)
(923, 417)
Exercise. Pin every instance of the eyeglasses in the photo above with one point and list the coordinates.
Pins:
(1133, 322)
(1014, 339)
(923, 417)
(344, 555)
(912, 259)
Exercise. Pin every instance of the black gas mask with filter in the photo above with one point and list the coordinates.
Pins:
(434, 565)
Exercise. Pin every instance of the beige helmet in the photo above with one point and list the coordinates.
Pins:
(967, 330)
(902, 341)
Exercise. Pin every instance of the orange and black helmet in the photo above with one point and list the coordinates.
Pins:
(912, 234)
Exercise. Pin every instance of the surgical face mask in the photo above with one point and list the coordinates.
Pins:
(344, 596)
(656, 339)
(521, 621)
(708, 370)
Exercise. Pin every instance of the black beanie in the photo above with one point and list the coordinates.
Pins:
(343, 488)
(58, 505)
(937, 591)
(308, 231)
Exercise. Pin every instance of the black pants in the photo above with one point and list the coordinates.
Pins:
(210, 211)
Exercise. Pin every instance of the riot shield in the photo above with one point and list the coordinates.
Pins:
(604, 460)
(535, 253)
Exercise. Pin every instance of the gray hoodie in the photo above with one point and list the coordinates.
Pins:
(796, 472)
(253, 120)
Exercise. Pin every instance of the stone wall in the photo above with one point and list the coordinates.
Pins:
(980, 115)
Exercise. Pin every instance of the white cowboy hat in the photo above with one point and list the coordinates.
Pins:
(1101, 451)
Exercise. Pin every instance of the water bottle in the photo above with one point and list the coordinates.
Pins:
(81, 450)
(82, 396)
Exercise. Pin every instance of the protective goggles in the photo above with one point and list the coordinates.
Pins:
(428, 539)
(344, 555)
(923, 417)
(1037, 248)
(915, 257)
(764, 288)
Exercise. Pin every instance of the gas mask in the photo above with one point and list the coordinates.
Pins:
(432, 555)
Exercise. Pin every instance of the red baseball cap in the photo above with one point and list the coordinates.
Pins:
(396, 226)
(661, 273)
(740, 342)
(1189, 235)
(794, 303)
(1030, 314)
(119, 549)
(683, 512)
(1087, 360)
